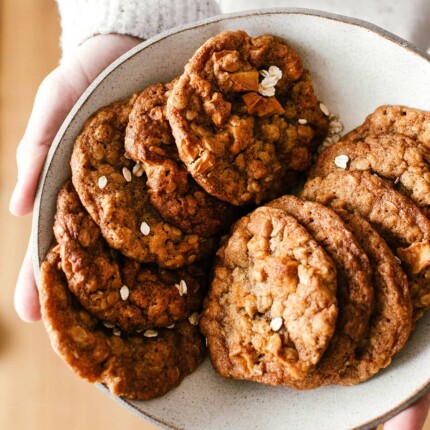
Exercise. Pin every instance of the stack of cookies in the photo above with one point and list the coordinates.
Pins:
(156, 180)
(325, 288)
(304, 291)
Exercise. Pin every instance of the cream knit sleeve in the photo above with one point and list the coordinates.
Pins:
(81, 19)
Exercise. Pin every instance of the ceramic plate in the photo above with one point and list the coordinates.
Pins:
(356, 67)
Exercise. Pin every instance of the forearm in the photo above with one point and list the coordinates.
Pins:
(82, 19)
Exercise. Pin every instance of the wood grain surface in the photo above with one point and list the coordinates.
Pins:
(37, 391)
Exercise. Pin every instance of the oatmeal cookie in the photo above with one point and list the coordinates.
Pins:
(118, 201)
(173, 192)
(391, 320)
(271, 309)
(118, 290)
(355, 291)
(388, 119)
(396, 218)
(135, 366)
(393, 157)
(244, 114)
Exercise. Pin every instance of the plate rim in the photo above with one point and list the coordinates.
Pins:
(84, 98)
(368, 425)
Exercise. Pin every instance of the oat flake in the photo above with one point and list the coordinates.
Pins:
(275, 72)
(341, 161)
(127, 174)
(276, 323)
(194, 318)
(333, 135)
(324, 109)
(271, 77)
(269, 81)
(335, 138)
(116, 331)
(150, 333)
(182, 287)
(102, 182)
(124, 292)
(267, 92)
(144, 228)
(138, 170)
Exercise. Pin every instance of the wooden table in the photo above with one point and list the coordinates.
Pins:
(37, 391)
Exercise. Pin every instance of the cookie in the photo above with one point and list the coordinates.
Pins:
(391, 321)
(355, 291)
(271, 309)
(393, 157)
(173, 191)
(389, 119)
(118, 201)
(113, 288)
(135, 366)
(396, 218)
(244, 114)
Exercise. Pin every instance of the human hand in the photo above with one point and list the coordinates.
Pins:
(412, 418)
(55, 97)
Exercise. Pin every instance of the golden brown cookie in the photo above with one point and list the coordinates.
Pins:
(113, 288)
(354, 293)
(244, 114)
(391, 321)
(271, 309)
(118, 201)
(389, 119)
(393, 157)
(136, 366)
(173, 191)
(404, 227)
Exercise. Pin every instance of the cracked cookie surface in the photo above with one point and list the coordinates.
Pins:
(394, 119)
(271, 309)
(118, 201)
(173, 191)
(393, 157)
(396, 218)
(120, 291)
(391, 320)
(133, 366)
(354, 288)
(238, 144)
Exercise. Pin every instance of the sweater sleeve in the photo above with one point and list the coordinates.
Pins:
(81, 19)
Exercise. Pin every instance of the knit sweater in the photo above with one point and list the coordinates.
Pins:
(82, 19)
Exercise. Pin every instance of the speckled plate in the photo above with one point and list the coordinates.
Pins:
(356, 67)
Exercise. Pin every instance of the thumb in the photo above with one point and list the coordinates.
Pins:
(56, 96)
(53, 101)
(26, 296)
(412, 418)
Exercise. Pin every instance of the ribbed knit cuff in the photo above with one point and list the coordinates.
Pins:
(81, 19)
